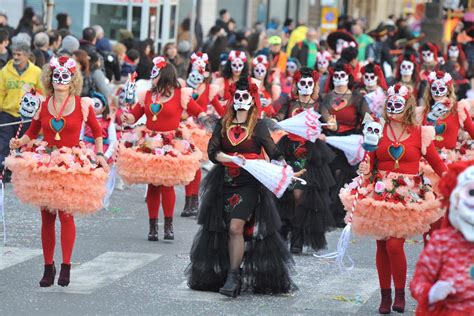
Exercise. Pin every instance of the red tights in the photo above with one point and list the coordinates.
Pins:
(48, 235)
(193, 187)
(153, 197)
(391, 262)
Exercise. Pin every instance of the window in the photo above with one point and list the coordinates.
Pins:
(136, 21)
(116, 18)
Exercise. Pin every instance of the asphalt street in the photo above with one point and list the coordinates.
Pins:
(116, 271)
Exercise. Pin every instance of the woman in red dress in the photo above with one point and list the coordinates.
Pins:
(163, 107)
(60, 118)
(395, 202)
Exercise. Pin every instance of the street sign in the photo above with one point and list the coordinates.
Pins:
(329, 17)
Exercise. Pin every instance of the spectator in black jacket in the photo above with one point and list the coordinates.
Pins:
(4, 24)
(145, 64)
(5, 54)
(87, 43)
(306, 51)
(224, 18)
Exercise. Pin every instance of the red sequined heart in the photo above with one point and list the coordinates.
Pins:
(339, 104)
(237, 134)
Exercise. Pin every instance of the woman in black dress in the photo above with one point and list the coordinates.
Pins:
(305, 209)
(237, 212)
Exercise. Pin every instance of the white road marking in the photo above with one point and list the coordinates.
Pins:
(102, 271)
(10, 256)
(341, 292)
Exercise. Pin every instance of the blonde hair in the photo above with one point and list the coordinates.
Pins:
(428, 100)
(409, 116)
(46, 76)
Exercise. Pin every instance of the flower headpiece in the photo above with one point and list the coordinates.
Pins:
(63, 61)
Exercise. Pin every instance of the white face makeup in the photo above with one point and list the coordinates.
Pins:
(322, 63)
(237, 65)
(61, 76)
(29, 104)
(461, 211)
(439, 88)
(97, 106)
(242, 100)
(305, 86)
(155, 72)
(260, 71)
(406, 68)
(340, 78)
(291, 67)
(453, 52)
(395, 104)
(370, 79)
(437, 110)
(195, 78)
(372, 133)
(428, 56)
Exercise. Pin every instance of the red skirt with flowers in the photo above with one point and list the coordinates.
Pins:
(151, 157)
(392, 205)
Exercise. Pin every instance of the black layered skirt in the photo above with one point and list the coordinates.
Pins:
(229, 193)
(313, 215)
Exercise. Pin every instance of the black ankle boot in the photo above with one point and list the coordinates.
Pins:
(63, 279)
(194, 208)
(187, 207)
(169, 234)
(232, 284)
(48, 275)
(153, 234)
(296, 244)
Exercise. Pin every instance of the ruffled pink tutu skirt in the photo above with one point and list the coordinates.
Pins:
(150, 157)
(394, 205)
(199, 136)
(64, 179)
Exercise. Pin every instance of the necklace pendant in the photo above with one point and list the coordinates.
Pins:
(154, 117)
(57, 137)
(397, 165)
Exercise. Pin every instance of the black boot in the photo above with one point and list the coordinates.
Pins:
(231, 287)
(48, 275)
(187, 207)
(63, 279)
(297, 241)
(169, 234)
(153, 234)
(194, 205)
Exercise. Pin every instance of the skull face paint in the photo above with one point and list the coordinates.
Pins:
(437, 110)
(29, 104)
(260, 71)
(195, 78)
(61, 76)
(305, 86)
(370, 79)
(155, 72)
(291, 67)
(439, 88)
(237, 65)
(395, 105)
(453, 52)
(461, 210)
(322, 63)
(340, 78)
(97, 106)
(372, 133)
(407, 68)
(428, 56)
(242, 100)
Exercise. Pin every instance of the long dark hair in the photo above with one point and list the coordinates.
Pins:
(227, 71)
(167, 81)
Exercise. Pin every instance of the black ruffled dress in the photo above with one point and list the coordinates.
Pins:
(308, 222)
(231, 192)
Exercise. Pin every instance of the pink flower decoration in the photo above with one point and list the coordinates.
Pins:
(379, 187)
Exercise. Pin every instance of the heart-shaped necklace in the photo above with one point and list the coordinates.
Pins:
(155, 108)
(58, 122)
(396, 150)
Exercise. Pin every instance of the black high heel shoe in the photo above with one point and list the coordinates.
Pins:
(48, 275)
(64, 274)
(232, 285)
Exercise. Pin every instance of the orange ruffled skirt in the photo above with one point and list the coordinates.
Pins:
(151, 160)
(76, 190)
(448, 156)
(395, 205)
(199, 136)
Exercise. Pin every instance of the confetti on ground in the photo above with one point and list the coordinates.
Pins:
(413, 241)
(342, 298)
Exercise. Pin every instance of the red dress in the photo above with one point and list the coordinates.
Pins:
(70, 134)
(395, 201)
(448, 257)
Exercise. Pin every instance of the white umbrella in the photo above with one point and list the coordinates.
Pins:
(351, 145)
(274, 177)
(305, 124)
